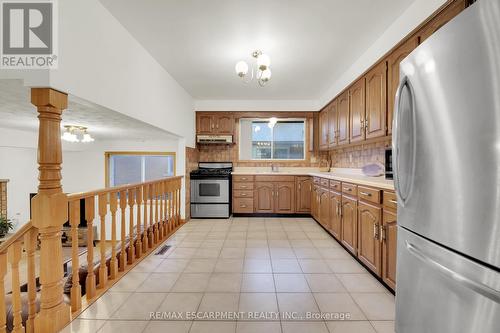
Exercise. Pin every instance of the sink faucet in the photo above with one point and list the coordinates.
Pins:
(274, 168)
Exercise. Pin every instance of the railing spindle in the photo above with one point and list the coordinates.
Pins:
(76, 290)
(131, 203)
(146, 228)
(30, 241)
(123, 253)
(151, 218)
(3, 312)
(14, 258)
(138, 242)
(103, 269)
(162, 225)
(113, 263)
(89, 217)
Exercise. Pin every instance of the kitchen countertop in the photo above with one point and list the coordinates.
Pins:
(340, 174)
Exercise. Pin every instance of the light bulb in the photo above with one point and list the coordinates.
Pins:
(265, 75)
(87, 138)
(263, 62)
(241, 68)
(66, 136)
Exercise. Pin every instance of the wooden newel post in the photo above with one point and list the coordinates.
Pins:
(50, 209)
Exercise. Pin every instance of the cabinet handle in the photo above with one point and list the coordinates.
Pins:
(366, 193)
(383, 231)
(243, 178)
(243, 206)
(394, 201)
(243, 194)
(375, 231)
(348, 189)
(243, 186)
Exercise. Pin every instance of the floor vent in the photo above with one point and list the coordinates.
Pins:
(163, 250)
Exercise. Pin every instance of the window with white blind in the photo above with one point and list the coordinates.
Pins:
(136, 167)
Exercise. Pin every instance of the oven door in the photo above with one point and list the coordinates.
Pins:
(210, 190)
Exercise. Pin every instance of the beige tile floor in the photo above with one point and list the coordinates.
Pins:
(286, 269)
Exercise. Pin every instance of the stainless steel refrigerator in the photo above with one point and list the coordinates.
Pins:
(446, 146)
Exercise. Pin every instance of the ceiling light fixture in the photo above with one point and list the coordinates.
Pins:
(262, 72)
(76, 134)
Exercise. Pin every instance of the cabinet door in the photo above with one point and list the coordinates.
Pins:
(441, 19)
(284, 197)
(314, 202)
(335, 214)
(369, 247)
(324, 208)
(224, 124)
(357, 111)
(376, 101)
(349, 223)
(323, 127)
(343, 118)
(303, 197)
(393, 75)
(205, 123)
(332, 124)
(264, 197)
(389, 246)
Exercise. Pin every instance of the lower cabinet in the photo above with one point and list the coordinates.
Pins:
(349, 234)
(389, 247)
(315, 202)
(303, 198)
(369, 246)
(324, 208)
(274, 197)
(335, 214)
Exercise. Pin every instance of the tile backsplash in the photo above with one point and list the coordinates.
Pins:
(358, 156)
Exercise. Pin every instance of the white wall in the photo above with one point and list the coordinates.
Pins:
(101, 62)
(418, 12)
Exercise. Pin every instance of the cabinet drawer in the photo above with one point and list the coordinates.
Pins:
(243, 205)
(324, 182)
(390, 200)
(243, 186)
(369, 194)
(243, 194)
(276, 178)
(242, 178)
(335, 185)
(316, 180)
(349, 189)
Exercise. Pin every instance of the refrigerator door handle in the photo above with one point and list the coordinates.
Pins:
(403, 196)
(476, 286)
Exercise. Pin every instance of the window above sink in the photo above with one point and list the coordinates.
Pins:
(272, 139)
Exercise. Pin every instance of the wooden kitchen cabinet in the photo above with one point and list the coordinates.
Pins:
(284, 197)
(376, 101)
(214, 123)
(343, 118)
(263, 197)
(393, 61)
(369, 247)
(274, 197)
(441, 19)
(324, 208)
(335, 214)
(324, 127)
(303, 199)
(389, 247)
(349, 223)
(332, 124)
(357, 111)
(315, 202)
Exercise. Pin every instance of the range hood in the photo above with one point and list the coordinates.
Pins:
(212, 139)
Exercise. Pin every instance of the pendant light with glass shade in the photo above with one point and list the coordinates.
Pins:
(262, 72)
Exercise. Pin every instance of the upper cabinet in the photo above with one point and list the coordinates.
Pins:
(332, 124)
(214, 123)
(357, 111)
(343, 118)
(376, 101)
(393, 62)
(323, 128)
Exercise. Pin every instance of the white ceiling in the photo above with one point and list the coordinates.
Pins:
(310, 42)
(16, 112)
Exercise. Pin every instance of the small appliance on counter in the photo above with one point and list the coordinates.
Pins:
(388, 164)
(211, 190)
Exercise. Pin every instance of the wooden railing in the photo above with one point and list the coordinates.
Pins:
(132, 221)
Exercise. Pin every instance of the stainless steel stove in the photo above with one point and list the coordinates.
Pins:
(211, 190)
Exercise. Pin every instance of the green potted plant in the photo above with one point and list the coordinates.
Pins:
(5, 226)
